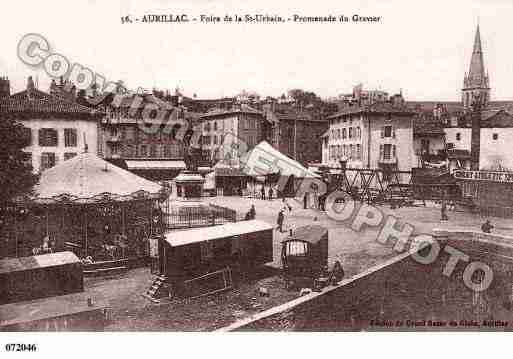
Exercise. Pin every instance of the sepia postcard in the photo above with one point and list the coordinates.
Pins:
(223, 166)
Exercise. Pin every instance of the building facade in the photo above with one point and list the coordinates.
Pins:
(57, 129)
(378, 136)
(296, 135)
(226, 134)
(132, 138)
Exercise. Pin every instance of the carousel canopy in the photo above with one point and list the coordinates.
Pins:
(88, 178)
(264, 159)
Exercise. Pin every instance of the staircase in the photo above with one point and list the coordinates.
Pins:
(158, 289)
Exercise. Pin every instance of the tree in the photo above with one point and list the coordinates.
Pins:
(16, 176)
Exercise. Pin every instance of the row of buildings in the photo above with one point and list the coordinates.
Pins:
(61, 123)
(375, 130)
(365, 129)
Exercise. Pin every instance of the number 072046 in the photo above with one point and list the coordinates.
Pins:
(18, 347)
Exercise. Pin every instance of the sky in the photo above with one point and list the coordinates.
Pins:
(421, 47)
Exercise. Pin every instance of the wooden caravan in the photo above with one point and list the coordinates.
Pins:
(40, 276)
(204, 260)
(305, 253)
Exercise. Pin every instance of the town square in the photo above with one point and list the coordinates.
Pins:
(208, 183)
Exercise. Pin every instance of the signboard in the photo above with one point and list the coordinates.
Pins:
(502, 177)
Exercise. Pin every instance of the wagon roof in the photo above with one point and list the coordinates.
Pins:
(204, 234)
(40, 261)
(312, 234)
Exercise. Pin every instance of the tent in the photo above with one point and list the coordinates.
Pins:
(265, 160)
(86, 177)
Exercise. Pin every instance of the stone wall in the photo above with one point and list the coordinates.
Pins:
(403, 294)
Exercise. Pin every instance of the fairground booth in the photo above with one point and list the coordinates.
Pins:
(202, 261)
(267, 165)
(87, 206)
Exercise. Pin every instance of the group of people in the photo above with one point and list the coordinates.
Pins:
(262, 193)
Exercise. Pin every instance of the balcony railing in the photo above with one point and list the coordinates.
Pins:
(388, 159)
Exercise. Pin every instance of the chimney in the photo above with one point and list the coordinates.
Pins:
(30, 84)
(5, 87)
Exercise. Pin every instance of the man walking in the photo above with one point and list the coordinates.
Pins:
(263, 192)
(280, 221)
(270, 193)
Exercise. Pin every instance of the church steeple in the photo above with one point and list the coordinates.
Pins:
(476, 82)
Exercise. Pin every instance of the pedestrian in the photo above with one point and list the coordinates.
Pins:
(270, 193)
(443, 210)
(279, 221)
(262, 191)
(252, 212)
(487, 227)
(305, 200)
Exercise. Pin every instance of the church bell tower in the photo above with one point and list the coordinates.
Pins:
(475, 83)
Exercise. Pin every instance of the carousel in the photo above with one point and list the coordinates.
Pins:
(90, 207)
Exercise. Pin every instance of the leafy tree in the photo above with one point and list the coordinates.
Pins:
(16, 176)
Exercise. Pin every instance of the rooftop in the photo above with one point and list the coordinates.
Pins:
(375, 108)
(37, 101)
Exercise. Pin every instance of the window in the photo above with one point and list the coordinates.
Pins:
(215, 140)
(387, 131)
(338, 133)
(215, 125)
(153, 151)
(27, 134)
(143, 151)
(350, 132)
(70, 137)
(458, 136)
(129, 151)
(130, 133)
(296, 248)
(48, 160)
(344, 133)
(48, 137)
(386, 151)
(351, 151)
(27, 159)
(358, 132)
(358, 152)
(495, 136)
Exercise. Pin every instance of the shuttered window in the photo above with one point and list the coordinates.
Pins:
(48, 160)
(70, 137)
(27, 135)
(48, 137)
